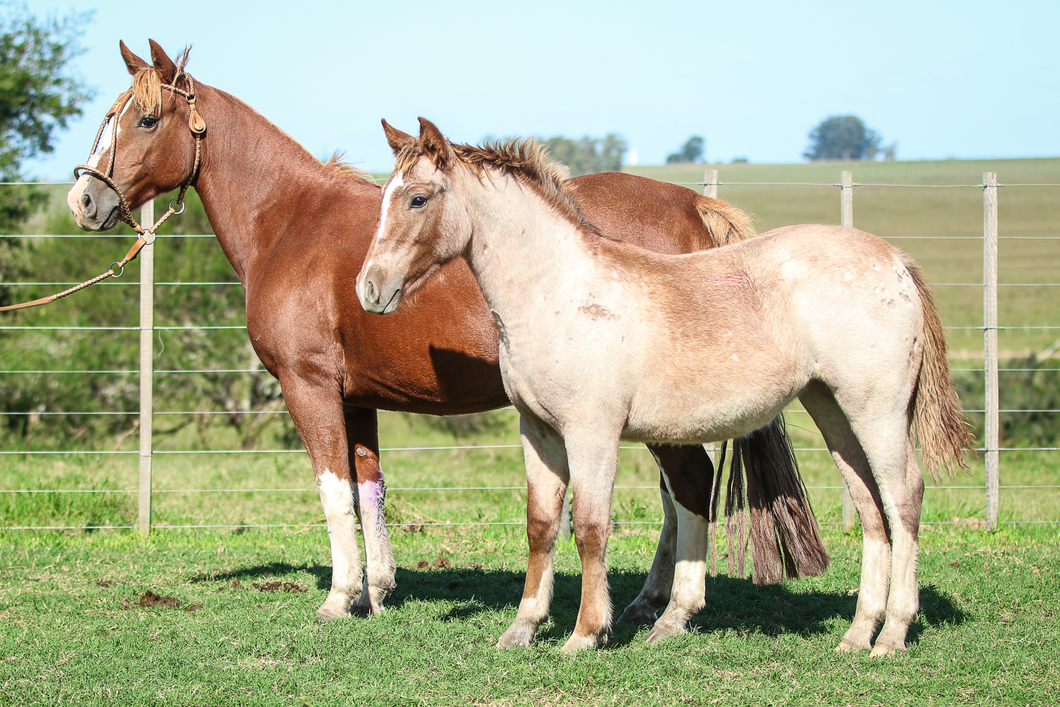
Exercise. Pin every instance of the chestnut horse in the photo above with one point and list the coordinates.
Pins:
(296, 232)
(602, 341)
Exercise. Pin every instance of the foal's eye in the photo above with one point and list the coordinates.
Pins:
(418, 202)
(148, 122)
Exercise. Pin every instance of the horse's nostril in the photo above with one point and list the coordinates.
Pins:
(85, 200)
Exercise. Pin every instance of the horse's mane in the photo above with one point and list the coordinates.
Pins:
(525, 159)
(341, 168)
(147, 84)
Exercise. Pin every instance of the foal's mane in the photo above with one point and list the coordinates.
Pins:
(525, 159)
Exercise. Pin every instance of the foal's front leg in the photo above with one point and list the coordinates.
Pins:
(593, 459)
(546, 480)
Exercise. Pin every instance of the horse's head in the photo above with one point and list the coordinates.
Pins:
(421, 227)
(144, 147)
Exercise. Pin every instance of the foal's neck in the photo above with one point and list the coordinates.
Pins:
(523, 253)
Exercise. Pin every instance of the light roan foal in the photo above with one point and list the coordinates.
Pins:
(601, 341)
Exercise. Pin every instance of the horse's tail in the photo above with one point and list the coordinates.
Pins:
(938, 423)
(782, 531)
(726, 223)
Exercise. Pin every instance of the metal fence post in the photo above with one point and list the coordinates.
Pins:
(990, 362)
(846, 218)
(147, 323)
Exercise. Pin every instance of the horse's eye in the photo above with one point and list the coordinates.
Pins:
(148, 122)
(418, 202)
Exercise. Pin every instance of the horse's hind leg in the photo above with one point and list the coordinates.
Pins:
(546, 480)
(850, 457)
(362, 435)
(688, 476)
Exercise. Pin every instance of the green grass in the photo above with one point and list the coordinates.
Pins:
(74, 631)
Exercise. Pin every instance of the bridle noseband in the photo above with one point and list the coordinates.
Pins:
(198, 128)
(146, 235)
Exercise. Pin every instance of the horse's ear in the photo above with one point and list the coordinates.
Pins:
(396, 139)
(132, 62)
(435, 146)
(163, 64)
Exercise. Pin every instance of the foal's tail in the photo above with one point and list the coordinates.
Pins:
(938, 423)
(726, 223)
(783, 534)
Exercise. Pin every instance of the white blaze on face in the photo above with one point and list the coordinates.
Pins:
(388, 194)
(107, 140)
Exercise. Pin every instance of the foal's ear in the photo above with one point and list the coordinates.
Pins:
(435, 146)
(132, 62)
(165, 66)
(395, 138)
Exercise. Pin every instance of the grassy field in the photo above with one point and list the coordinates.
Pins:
(95, 619)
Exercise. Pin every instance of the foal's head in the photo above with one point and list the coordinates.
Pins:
(420, 228)
(425, 219)
(145, 145)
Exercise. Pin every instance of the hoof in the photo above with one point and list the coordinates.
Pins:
(366, 608)
(330, 611)
(518, 635)
(664, 629)
(638, 615)
(575, 644)
(882, 650)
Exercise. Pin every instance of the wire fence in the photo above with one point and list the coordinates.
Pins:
(990, 447)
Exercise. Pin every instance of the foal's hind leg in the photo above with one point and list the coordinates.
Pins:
(850, 457)
(546, 481)
(902, 495)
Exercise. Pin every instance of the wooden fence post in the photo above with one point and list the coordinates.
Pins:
(147, 323)
(710, 190)
(846, 213)
(990, 362)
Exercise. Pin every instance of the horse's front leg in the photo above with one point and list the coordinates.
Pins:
(318, 416)
(546, 481)
(592, 456)
(362, 435)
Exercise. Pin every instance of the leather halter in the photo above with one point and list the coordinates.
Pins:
(146, 235)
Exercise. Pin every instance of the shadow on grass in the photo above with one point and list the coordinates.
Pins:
(732, 604)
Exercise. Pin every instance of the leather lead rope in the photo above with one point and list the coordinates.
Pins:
(146, 235)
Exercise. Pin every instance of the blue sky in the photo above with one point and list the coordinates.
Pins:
(965, 79)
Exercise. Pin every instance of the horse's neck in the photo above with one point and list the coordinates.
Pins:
(523, 253)
(254, 182)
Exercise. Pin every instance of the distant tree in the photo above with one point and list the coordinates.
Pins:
(587, 154)
(691, 151)
(842, 137)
